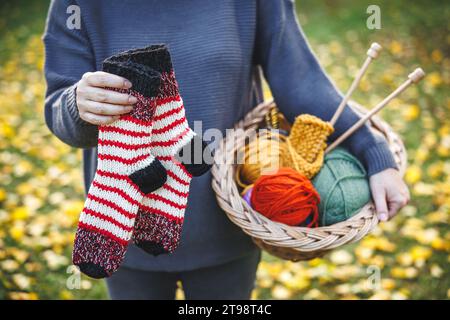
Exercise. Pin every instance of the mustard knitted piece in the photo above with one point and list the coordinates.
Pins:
(307, 144)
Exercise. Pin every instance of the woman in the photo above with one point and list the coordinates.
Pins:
(215, 46)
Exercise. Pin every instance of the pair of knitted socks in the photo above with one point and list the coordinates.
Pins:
(145, 165)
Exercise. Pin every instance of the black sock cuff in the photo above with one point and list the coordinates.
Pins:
(155, 56)
(145, 80)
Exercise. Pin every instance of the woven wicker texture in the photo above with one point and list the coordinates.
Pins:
(287, 242)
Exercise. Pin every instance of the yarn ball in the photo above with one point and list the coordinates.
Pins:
(287, 197)
(247, 193)
(343, 187)
(261, 156)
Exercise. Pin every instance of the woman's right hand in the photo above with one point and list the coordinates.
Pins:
(101, 106)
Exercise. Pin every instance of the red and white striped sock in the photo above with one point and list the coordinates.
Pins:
(160, 218)
(126, 171)
(158, 224)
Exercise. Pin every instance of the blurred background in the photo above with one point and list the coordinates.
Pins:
(41, 192)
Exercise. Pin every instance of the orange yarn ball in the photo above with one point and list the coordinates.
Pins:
(287, 197)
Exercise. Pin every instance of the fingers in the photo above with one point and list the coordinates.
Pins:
(394, 207)
(379, 197)
(98, 105)
(407, 193)
(104, 79)
(107, 96)
(389, 192)
(107, 109)
(96, 119)
(396, 202)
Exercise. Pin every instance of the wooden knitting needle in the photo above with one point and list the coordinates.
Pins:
(413, 78)
(372, 54)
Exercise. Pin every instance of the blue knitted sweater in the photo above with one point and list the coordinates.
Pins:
(215, 46)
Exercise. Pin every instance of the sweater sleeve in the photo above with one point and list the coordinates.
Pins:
(300, 85)
(68, 56)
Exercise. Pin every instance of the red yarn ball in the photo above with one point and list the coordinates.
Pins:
(287, 197)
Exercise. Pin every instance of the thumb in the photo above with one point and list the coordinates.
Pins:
(379, 197)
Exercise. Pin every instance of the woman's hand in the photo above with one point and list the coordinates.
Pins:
(98, 105)
(389, 193)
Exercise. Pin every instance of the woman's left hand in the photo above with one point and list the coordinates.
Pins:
(389, 192)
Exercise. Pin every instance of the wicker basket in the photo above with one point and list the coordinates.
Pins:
(283, 241)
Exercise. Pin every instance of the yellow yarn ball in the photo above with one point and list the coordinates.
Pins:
(260, 156)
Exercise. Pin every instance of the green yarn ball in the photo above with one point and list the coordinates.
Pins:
(343, 187)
